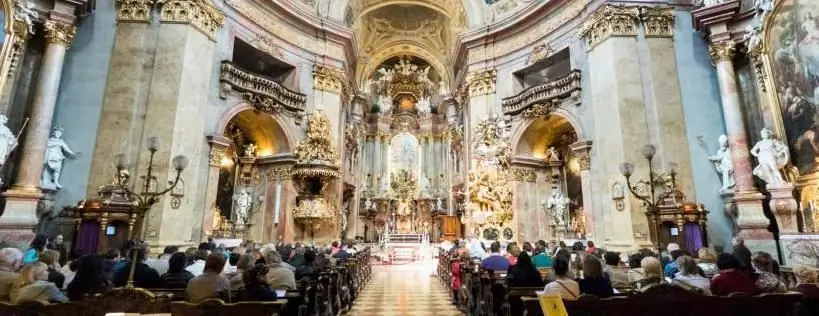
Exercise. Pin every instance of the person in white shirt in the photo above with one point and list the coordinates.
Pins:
(161, 264)
(198, 265)
(562, 286)
(688, 277)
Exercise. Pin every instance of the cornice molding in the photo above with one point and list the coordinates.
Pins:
(608, 21)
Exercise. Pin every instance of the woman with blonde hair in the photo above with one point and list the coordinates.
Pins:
(31, 285)
(653, 272)
(707, 262)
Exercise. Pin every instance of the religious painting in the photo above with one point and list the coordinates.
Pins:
(404, 153)
(792, 38)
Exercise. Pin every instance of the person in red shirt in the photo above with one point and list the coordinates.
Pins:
(731, 278)
(456, 274)
(590, 249)
(512, 253)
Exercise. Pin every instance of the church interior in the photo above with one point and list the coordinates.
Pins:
(416, 138)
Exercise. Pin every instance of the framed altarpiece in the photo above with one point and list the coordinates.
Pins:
(789, 59)
(15, 33)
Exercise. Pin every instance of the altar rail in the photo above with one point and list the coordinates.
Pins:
(406, 239)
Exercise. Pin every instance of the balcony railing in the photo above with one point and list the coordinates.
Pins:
(542, 93)
(259, 89)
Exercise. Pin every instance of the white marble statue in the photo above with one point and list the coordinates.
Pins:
(439, 204)
(552, 154)
(772, 155)
(384, 104)
(250, 150)
(8, 141)
(243, 204)
(752, 38)
(55, 154)
(724, 165)
(368, 204)
(706, 3)
(423, 106)
(424, 185)
(763, 7)
(556, 204)
(24, 11)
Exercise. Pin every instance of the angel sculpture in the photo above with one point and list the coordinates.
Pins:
(752, 38)
(763, 7)
(25, 12)
(423, 106)
(724, 165)
(772, 155)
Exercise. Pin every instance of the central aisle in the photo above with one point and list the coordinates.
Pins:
(403, 290)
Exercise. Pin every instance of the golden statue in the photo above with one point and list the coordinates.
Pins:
(317, 147)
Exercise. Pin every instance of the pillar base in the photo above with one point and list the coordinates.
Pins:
(784, 207)
(19, 218)
(729, 209)
(751, 222)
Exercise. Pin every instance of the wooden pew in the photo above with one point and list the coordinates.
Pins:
(217, 307)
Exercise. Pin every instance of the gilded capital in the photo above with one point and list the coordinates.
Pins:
(658, 21)
(217, 154)
(201, 14)
(329, 79)
(59, 33)
(481, 82)
(722, 51)
(610, 20)
(135, 11)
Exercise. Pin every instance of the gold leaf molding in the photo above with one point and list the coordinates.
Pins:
(59, 33)
(201, 14)
(722, 51)
(610, 20)
(329, 79)
(481, 82)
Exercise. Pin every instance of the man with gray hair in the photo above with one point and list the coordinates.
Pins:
(10, 261)
(279, 276)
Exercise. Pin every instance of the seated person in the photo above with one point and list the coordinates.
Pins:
(90, 278)
(635, 270)
(542, 260)
(279, 276)
(308, 270)
(807, 281)
(10, 261)
(512, 253)
(593, 282)
(563, 285)
(707, 262)
(256, 286)
(617, 276)
(524, 273)
(653, 272)
(144, 276)
(176, 277)
(52, 259)
(731, 278)
(495, 261)
(211, 283)
(689, 278)
(671, 269)
(32, 285)
(766, 280)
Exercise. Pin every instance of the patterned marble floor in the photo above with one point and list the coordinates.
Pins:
(404, 290)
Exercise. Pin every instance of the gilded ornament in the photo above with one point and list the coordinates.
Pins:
(491, 143)
(540, 110)
(59, 33)
(135, 11)
(313, 211)
(481, 82)
(317, 147)
(610, 20)
(216, 156)
(658, 21)
(523, 175)
(279, 174)
(540, 52)
(329, 79)
(753, 45)
(201, 14)
(722, 51)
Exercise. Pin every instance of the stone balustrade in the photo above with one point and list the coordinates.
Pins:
(265, 94)
(559, 88)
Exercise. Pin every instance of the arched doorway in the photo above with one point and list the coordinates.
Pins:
(246, 184)
(551, 149)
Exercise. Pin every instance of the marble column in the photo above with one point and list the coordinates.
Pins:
(218, 150)
(481, 88)
(582, 150)
(751, 220)
(19, 216)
